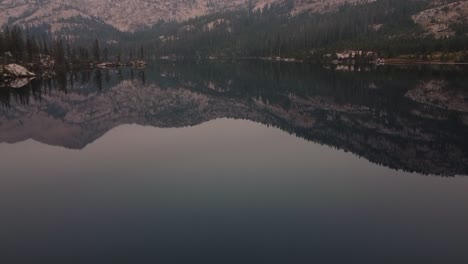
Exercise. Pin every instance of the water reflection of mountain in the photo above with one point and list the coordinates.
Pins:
(415, 120)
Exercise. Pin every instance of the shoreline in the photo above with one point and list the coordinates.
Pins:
(390, 61)
(397, 61)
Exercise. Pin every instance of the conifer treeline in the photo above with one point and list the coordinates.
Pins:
(25, 46)
(384, 26)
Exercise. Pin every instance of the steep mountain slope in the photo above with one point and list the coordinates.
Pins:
(311, 6)
(126, 15)
(436, 18)
(132, 15)
(443, 20)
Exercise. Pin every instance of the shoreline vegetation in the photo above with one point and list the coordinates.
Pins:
(27, 56)
(24, 56)
(16, 76)
(386, 32)
(46, 67)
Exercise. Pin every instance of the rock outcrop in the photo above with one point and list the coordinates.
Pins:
(16, 71)
(15, 76)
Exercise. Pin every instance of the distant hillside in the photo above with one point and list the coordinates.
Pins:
(443, 20)
(133, 15)
(388, 28)
(303, 29)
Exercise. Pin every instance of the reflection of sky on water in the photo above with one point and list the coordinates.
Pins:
(224, 190)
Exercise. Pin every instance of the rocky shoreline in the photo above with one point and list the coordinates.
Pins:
(16, 76)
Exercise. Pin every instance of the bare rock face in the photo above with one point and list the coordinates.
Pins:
(438, 20)
(17, 71)
(14, 76)
(311, 6)
(132, 15)
(125, 15)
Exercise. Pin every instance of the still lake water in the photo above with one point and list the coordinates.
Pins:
(236, 163)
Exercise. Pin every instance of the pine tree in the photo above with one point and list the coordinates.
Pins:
(96, 51)
(59, 54)
(142, 54)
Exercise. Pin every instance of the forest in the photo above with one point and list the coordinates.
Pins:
(384, 28)
(41, 51)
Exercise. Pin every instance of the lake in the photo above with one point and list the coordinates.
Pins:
(236, 162)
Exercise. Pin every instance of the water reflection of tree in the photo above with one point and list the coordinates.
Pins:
(107, 76)
(371, 102)
(98, 79)
(5, 98)
(89, 81)
(61, 81)
(142, 76)
(382, 89)
(23, 95)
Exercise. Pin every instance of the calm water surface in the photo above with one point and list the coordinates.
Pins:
(236, 163)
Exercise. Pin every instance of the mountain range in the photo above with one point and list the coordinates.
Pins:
(133, 15)
(108, 19)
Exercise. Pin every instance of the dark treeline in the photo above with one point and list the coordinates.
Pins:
(364, 112)
(276, 81)
(382, 87)
(383, 26)
(38, 49)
